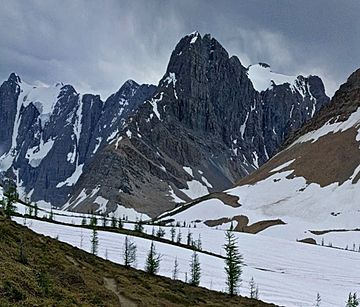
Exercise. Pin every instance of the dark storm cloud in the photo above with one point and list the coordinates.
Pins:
(97, 45)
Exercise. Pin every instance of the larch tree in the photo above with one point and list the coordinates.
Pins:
(172, 233)
(129, 252)
(254, 290)
(352, 301)
(233, 263)
(94, 242)
(195, 269)
(175, 271)
(152, 261)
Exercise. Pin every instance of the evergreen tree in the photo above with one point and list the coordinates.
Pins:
(198, 243)
(11, 197)
(81, 239)
(231, 226)
(9, 207)
(160, 233)
(189, 238)
(254, 291)
(94, 242)
(120, 224)
(233, 263)
(172, 233)
(104, 219)
(93, 220)
(139, 227)
(153, 231)
(83, 221)
(36, 210)
(153, 260)
(195, 270)
(129, 252)
(352, 301)
(51, 216)
(113, 222)
(318, 300)
(11, 193)
(175, 271)
(178, 238)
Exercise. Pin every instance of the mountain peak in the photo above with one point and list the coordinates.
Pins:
(14, 78)
(354, 78)
(128, 89)
(130, 82)
(194, 36)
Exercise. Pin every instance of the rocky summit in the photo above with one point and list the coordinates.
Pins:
(49, 133)
(209, 122)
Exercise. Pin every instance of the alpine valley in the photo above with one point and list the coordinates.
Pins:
(209, 122)
(216, 151)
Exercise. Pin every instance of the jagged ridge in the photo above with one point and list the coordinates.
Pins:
(204, 127)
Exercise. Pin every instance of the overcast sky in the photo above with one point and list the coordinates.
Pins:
(97, 45)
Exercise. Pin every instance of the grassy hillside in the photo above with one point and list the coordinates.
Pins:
(51, 273)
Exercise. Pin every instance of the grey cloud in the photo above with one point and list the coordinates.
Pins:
(97, 45)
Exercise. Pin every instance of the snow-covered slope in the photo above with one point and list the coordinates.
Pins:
(310, 189)
(263, 78)
(288, 274)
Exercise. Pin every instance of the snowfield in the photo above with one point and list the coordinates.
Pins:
(292, 201)
(287, 273)
(303, 206)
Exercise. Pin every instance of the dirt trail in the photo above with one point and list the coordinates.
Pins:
(110, 284)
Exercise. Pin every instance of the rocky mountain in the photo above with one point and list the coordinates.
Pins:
(309, 191)
(209, 122)
(50, 133)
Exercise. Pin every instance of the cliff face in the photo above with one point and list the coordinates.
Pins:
(205, 127)
(49, 134)
(309, 191)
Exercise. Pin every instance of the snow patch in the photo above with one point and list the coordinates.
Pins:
(188, 170)
(171, 78)
(117, 142)
(256, 159)
(282, 166)
(37, 153)
(128, 133)
(194, 36)
(313, 136)
(102, 202)
(112, 135)
(154, 102)
(175, 198)
(73, 178)
(97, 145)
(195, 189)
(204, 180)
(130, 213)
(263, 78)
(243, 126)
